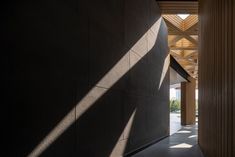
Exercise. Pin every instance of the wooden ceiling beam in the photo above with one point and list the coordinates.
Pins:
(190, 21)
(176, 54)
(185, 63)
(190, 68)
(190, 55)
(178, 7)
(189, 60)
(173, 41)
(180, 32)
(185, 51)
(183, 48)
(192, 28)
(173, 32)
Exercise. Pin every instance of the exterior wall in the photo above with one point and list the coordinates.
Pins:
(83, 78)
(216, 78)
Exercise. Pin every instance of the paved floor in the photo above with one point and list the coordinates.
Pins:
(181, 144)
(174, 123)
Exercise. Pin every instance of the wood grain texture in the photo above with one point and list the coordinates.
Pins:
(188, 102)
(183, 45)
(176, 7)
(216, 77)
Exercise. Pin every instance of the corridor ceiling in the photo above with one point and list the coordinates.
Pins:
(182, 33)
(178, 7)
(183, 41)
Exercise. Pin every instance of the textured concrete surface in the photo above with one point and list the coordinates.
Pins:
(181, 144)
(81, 78)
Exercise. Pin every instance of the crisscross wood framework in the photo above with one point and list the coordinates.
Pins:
(183, 41)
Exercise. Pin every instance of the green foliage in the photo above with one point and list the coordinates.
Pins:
(174, 105)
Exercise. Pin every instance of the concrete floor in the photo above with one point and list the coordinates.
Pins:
(175, 123)
(181, 144)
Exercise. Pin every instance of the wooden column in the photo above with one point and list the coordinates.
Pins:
(188, 102)
(217, 78)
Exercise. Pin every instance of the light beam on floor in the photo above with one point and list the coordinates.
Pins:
(184, 132)
(182, 145)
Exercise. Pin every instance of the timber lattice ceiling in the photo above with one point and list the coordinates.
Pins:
(183, 41)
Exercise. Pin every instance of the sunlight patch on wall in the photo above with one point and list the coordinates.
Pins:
(116, 72)
(164, 70)
(120, 146)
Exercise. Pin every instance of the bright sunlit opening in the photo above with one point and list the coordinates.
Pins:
(183, 16)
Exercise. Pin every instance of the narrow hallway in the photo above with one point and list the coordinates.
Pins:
(181, 144)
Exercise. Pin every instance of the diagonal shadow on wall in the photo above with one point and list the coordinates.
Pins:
(103, 125)
(48, 72)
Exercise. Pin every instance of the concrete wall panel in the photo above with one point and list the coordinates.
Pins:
(82, 77)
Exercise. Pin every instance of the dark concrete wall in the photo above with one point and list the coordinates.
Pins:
(55, 52)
